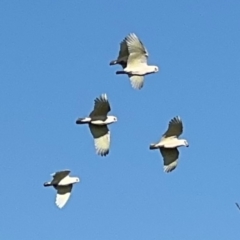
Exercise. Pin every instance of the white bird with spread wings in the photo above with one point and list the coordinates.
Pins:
(98, 121)
(133, 57)
(63, 183)
(169, 144)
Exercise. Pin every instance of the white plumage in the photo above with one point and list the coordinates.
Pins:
(98, 121)
(102, 144)
(102, 139)
(63, 195)
(63, 183)
(169, 143)
(134, 60)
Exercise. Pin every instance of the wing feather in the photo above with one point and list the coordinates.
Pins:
(101, 136)
(135, 45)
(170, 157)
(137, 52)
(63, 195)
(123, 54)
(137, 81)
(101, 106)
(58, 176)
(175, 128)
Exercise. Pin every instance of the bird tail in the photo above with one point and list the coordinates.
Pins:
(114, 62)
(153, 146)
(47, 184)
(83, 120)
(120, 72)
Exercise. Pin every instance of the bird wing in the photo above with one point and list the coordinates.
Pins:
(135, 45)
(137, 51)
(170, 157)
(123, 54)
(137, 81)
(175, 128)
(101, 106)
(58, 176)
(63, 194)
(101, 136)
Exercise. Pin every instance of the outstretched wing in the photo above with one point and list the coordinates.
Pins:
(175, 128)
(122, 55)
(101, 106)
(63, 194)
(136, 81)
(58, 176)
(135, 45)
(170, 157)
(137, 51)
(101, 136)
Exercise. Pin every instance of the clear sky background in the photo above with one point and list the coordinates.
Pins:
(54, 61)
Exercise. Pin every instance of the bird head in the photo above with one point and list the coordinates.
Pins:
(112, 119)
(77, 179)
(156, 68)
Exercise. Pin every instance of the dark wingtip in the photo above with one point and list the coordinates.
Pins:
(105, 154)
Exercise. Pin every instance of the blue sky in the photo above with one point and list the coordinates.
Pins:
(54, 60)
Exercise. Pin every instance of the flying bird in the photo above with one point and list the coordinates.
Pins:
(98, 121)
(169, 144)
(63, 183)
(133, 57)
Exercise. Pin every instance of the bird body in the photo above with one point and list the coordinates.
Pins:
(97, 120)
(141, 70)
(171, 142)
